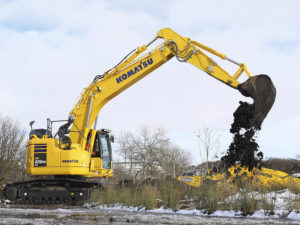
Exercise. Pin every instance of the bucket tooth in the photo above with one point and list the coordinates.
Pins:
(263, 92)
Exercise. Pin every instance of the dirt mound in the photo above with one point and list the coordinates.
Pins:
(243, 149)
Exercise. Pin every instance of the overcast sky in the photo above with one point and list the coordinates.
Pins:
(50, 50)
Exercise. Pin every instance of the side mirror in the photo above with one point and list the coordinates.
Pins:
(112, 138)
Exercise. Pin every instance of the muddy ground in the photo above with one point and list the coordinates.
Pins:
(45, 215)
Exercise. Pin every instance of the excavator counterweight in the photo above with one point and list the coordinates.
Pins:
(263, 92)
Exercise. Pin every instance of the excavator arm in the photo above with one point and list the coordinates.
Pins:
(138, 64)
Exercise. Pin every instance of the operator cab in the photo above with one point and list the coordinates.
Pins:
(38, 132)
(102, 147)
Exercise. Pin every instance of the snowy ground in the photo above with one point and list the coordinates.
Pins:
(117, 215)
(97, 214)
(282, 200)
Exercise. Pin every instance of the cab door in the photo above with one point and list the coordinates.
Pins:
(105, 150)
(96, 154)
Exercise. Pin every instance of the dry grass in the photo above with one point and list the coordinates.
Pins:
(209, 196)
(134, 196)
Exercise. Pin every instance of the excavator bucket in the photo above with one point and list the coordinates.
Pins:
(263, 92)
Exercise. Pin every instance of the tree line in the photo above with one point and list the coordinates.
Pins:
(12, 150)
(150, 153)
(144, 153)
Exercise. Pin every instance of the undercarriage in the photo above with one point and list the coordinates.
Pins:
(50, 191)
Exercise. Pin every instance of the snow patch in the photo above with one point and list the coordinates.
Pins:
(280, 199)
(261, 214)
(294, 215)
(221, 213)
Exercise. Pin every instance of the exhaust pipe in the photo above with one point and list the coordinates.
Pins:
(263, 92)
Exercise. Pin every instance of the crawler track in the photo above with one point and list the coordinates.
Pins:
(49, 191)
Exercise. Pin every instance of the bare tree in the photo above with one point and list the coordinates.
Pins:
(12, 150)
(175, 161)
(153, 151)
(208, 141)
(126, 149)
(150, 147)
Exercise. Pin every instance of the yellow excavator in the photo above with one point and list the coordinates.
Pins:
(65, 167)
(264, 177)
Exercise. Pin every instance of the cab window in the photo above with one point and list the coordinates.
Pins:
(105, 151)
(96, 150)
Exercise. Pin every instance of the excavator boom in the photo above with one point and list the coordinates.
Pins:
(139, 64)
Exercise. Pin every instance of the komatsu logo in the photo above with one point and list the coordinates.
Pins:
(136, 69)
(70, 161)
